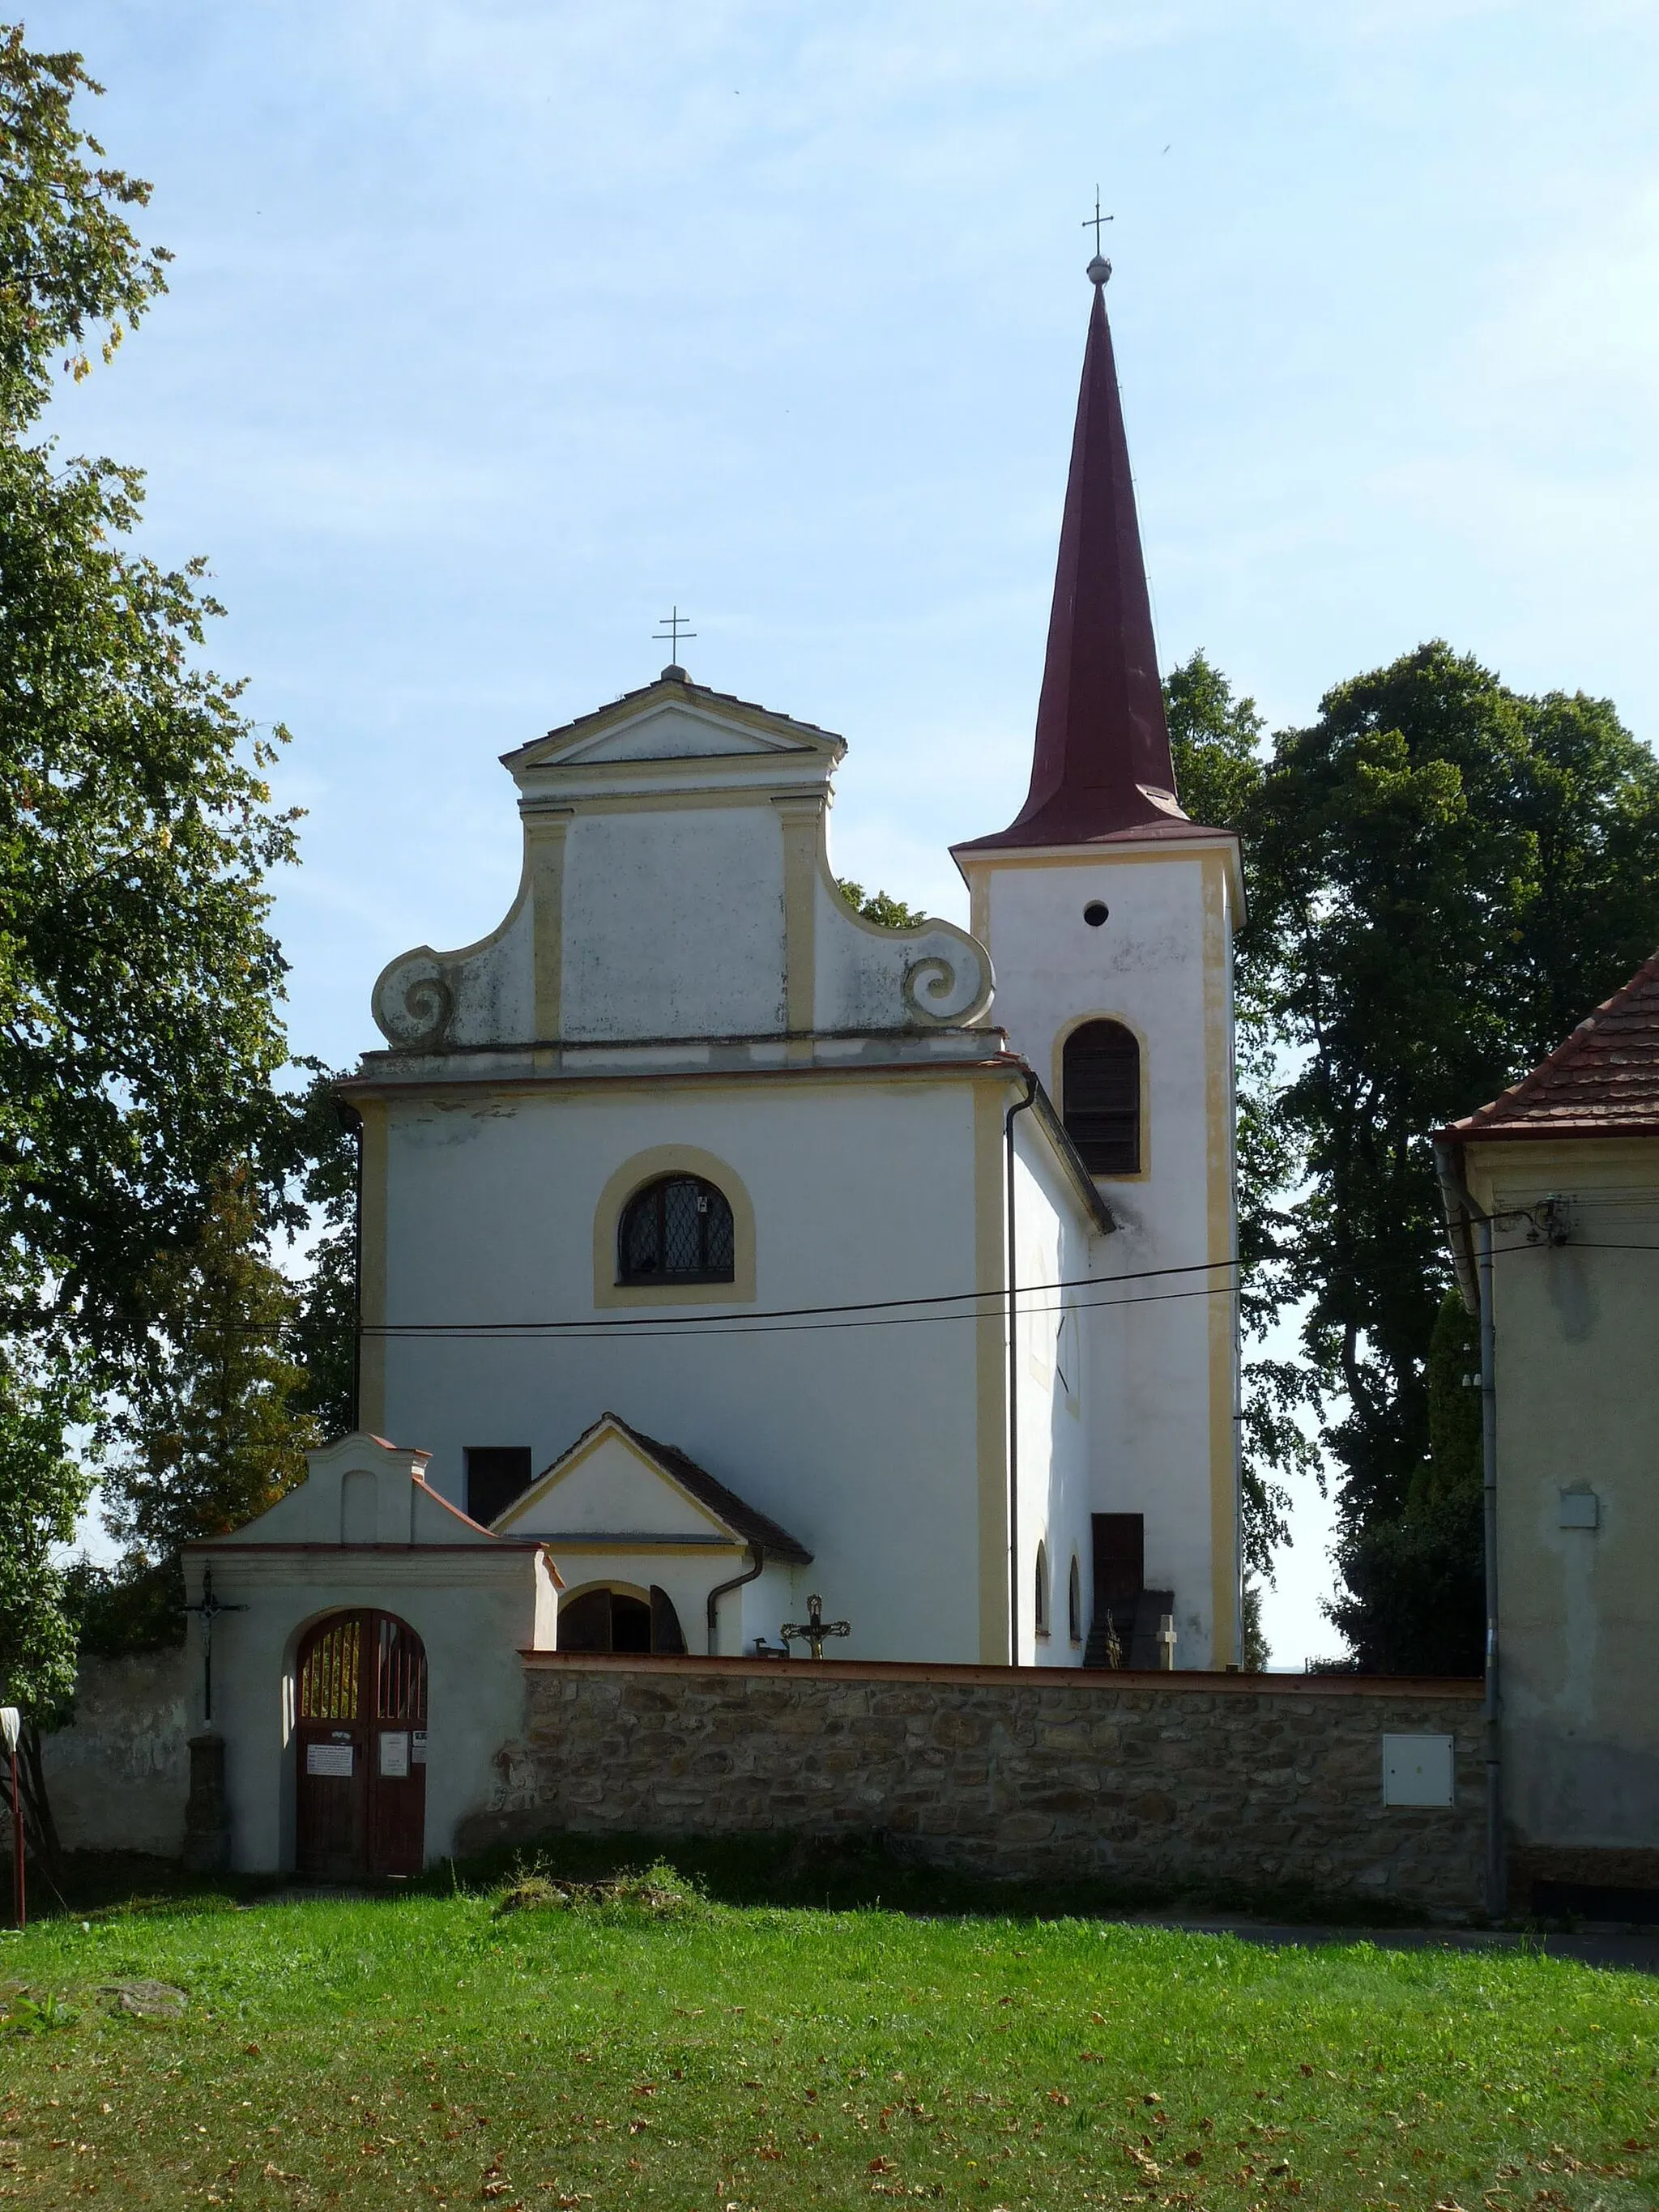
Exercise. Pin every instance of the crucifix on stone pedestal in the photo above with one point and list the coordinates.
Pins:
(813, 1630)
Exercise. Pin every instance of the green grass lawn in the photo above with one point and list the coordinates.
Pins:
(431, 2051)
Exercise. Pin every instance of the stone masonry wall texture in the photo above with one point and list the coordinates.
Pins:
(1253, 1780)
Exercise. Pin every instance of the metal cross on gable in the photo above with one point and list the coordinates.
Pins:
(207, 1611)
(674, 632)
(812, 1630)
(1093, 222)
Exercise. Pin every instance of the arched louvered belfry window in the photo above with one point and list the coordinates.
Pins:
(1100, 1102)
(676, 1229)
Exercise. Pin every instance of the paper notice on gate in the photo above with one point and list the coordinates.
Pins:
(394, 1750)
(328, 1758)
(417, 1747)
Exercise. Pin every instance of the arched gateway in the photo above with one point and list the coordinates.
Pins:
(361, 1747)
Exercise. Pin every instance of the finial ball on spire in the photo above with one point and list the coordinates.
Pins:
(1099, 269)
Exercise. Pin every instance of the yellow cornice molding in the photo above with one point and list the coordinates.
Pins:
(970, 865)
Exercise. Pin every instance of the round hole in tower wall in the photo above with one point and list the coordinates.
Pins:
(1095, 912)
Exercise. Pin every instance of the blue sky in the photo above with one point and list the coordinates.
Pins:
(496, 327)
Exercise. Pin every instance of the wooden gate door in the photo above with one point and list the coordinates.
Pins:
(360, 1744)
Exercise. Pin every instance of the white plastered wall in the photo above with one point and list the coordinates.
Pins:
(1577, 1410)
(1053, 1246)
(861, 1440)
(1162, 1378)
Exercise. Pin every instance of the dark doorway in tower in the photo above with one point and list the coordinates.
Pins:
(620, 1621)
(360, 1742)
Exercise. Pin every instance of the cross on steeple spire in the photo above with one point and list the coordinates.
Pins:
(1093, 222)
(1100, 766)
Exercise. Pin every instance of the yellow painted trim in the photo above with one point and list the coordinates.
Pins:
(372, 1280)
(801, 822)
(653, 1081)
(1224, 1561)
(968, 865)
(1057, 1088)
(664, 1546)
(650, 766)
(543, 860)
(991, 1375)
(632, 1176)
(666, 802)
(579, 1453)
(979, 908)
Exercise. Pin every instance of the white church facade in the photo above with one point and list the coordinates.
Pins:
(721, 1249)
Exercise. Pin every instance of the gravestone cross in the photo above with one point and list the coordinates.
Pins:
(813, 1630)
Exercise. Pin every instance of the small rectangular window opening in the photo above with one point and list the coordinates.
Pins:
(495, 1476)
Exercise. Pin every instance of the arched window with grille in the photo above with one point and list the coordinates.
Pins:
(676, 1229)
(1100, 1097)
(1041, 1607)
(1074, 1603)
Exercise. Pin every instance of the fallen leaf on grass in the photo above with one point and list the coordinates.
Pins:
(882, 2165)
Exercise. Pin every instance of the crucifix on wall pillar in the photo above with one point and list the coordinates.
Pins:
(207, 1611)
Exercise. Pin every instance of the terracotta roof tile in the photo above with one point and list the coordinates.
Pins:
(748, 1521)
(1602, 1082)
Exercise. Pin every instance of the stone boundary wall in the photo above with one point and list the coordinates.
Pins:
(1255, 1780)
(118, 1776)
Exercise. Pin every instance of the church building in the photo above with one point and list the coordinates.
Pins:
(722, 1250)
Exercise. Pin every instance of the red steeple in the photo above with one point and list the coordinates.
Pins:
(1101, 767)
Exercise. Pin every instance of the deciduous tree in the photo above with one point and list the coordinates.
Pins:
(139, 1031)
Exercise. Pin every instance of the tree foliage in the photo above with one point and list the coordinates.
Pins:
(216, 1432)
(139, 1031)
(42, 1490)
(879, 907)
(1216, 741)
(1445, 875)
(322, 1337)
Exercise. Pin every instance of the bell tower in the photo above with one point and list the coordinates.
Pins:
(1110, 917)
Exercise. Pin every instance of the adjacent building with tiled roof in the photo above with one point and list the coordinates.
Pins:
(1603, 1081)
(1557, 1180)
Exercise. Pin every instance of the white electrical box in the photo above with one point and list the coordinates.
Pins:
(1417, 1770)
(1580, 1509)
